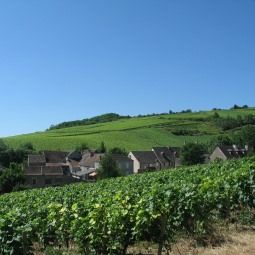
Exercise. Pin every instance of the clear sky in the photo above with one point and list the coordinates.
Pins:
(71, 59)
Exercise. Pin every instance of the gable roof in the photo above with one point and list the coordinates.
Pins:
(145, 157)
(74, 155)
(120, 157)
(164, 154)
(44, 170)
(233, 151)
(55, 156)
(36, 159)
(89, 160)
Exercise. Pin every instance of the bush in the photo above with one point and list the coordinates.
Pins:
(108, 167)
(192, 154)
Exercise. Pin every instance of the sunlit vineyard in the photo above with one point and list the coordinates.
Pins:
(109, 216)
(131, 134)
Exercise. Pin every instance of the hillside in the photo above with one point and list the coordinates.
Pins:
(133, 133)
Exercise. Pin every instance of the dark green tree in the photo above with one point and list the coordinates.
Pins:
(11, 178)
(102, 148)
(246, 136)
(192, 154)
(3, 146)
(220, 140)
(108, 167)
(117, 150)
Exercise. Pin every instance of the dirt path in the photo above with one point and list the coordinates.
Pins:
(237, 243)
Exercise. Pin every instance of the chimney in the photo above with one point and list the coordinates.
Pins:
(235, 147)
(246, 147)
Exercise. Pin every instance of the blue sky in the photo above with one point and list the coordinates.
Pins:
(64, 60)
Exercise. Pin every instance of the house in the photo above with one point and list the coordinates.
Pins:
(156, 159)
(42, 176)
(48, 168)
(124, 163)
(91, 159)
(90, 163)
(55, 157)
(225, 152)
(74, 155)
(143, 160)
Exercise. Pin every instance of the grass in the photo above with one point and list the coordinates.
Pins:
(131, 134)
(239, 241)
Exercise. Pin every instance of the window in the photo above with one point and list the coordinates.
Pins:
(34, 181)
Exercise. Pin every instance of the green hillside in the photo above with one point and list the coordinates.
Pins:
(133, 133)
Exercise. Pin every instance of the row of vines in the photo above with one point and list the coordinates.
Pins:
(109, 216)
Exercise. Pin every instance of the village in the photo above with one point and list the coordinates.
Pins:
(54, 168)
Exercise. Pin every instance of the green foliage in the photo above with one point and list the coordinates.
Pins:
(11, 179)
(220, 140)
(102, 148)
(108, 167)
(108, 216)
(82, 147)
(192, 154)
(98, 119)
(247, 216)
(135, 133)
(9, 155)
(236, 107)
(3, 146)
(231, 123)
(117, 150)
(246, 136)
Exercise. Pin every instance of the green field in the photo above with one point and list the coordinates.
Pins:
(132, 134)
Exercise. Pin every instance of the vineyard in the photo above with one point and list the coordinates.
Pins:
(141, 133)
(109, 216)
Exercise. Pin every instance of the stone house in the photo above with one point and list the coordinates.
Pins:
(124, 163)
(229, 152)
(48, 168)
(143, 160)
(90, 163)
(156, 159)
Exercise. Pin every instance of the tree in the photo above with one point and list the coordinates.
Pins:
(102, 148)
(192, 154)
(246, 136)
(117, 150)
(27, 146)
(108, 167)
(216, 115)
(3, 146)
(11, 178)
(220, 140)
